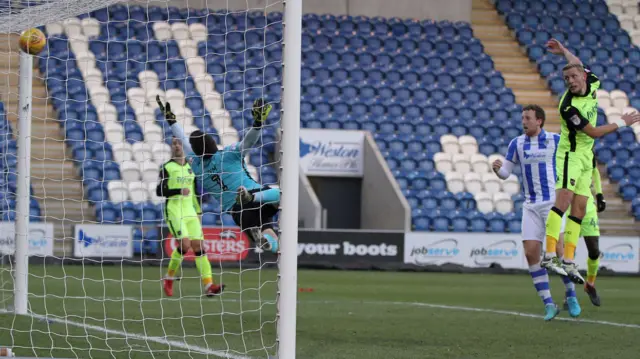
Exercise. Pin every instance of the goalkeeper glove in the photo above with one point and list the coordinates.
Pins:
(166, 111)
(260, 112)
(601, 203)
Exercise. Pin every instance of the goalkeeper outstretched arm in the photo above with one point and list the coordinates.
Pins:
(205, 144)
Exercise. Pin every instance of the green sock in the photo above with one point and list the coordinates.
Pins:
(174, 263)
(204, 267)
(592, 269)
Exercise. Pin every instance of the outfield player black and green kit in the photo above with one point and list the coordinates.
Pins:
(182, 215)
(574, 156)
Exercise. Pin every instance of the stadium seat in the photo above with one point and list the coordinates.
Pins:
(502, 202)
(491, 182)
(455, 182)
(461, 163)
(118, 191)
(484, 201)
(480, 163)
(473, 183)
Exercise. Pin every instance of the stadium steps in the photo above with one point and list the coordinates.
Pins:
(523, 78)
(510, 59)
(53, 177)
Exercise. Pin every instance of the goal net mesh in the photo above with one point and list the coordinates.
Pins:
(99, 244)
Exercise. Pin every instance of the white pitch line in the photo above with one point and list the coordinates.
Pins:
(424, 305)
(159, 340)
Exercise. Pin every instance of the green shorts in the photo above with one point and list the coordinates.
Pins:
(185, 227)
(574, 171)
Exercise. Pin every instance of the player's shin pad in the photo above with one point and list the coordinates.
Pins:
(554, 222)
(204, 268)
(571, 236)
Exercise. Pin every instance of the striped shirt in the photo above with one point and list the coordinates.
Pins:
(537, 159)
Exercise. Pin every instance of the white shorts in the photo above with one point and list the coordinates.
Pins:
(534, 220)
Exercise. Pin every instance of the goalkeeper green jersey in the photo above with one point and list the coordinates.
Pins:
(576, 112)
(173, 178)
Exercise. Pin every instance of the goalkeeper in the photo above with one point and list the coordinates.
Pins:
(574, 156)
(225, 176)
(177, 184)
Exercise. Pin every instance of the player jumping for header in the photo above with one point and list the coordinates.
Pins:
(579, 112)
(535, 151)
(182, 209)
(590, 231)
(224, 175)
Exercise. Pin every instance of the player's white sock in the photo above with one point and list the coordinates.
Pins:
(541, 282)
(569, 286)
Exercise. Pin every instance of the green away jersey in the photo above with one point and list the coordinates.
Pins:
(576, 112)
(173, 178)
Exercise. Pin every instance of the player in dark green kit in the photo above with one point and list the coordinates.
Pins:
(182, 210)
(574, 159)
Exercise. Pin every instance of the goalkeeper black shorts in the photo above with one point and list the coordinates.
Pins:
(254, 215)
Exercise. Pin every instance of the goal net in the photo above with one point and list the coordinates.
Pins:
(98, 240)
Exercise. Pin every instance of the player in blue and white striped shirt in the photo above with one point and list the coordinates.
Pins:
(535, 151)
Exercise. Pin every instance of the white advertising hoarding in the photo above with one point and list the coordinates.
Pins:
(103, 241)
(619, 254)
(336, 153)
(40, 239)
(480, 250)
(466, 249)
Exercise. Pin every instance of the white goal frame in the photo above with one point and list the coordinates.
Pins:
(289, 181)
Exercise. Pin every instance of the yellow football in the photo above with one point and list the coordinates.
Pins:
(32, 41)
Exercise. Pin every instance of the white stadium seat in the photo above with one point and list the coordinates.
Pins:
(118, 191)
(161, 152)
(188, 49)
(153, 134)
(443, 162)
(121, 151)
(468, 145)
(212, 99)
(484, 202)
(511, 185)
(180, 31)
(86, 61)
(480, 163)
(619, 99)
(473, 183)
(162, 30)
(54, 28)
(114, 132)
(148, 80)
(151, 97)
(142, 152)
(175, 96)
(196, 66)
(629, 9)
(129, 171)
(629, 109)
(72, 27)
(90, 27)
(149, 171)
(138, 192)
(461, 163)
(99, 96)
(93, 77)
(136, 97)
(502, 202)
(455, 182)
(612, 113)
(107, 113)
(198, 32)
(152, 193)
(449, 144)
(626, 21)
(491, 182)
(145, 116)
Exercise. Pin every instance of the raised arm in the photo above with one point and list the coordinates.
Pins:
(556, 48)
(504, 170)
(260, 112)
(176, 128)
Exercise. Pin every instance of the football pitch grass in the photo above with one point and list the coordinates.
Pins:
(120, 312)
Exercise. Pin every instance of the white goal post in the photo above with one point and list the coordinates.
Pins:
(60, 300)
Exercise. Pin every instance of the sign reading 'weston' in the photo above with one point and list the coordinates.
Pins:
(332, 152)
